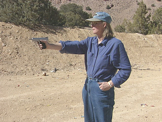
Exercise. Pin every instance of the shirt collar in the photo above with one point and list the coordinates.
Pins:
(104, 42)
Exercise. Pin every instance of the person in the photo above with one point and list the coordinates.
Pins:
(107, 66)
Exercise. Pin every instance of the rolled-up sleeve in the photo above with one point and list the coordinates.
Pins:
(120, 61)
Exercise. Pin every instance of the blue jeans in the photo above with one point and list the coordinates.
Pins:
(98, 104)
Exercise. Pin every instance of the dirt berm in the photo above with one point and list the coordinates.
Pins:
(27, 96)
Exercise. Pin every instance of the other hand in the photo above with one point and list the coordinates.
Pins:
(104, 86)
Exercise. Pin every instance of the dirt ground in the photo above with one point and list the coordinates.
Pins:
(28, 96)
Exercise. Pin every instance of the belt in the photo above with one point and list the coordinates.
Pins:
(98, 80)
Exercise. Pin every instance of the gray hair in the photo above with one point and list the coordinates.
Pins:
(108, 32)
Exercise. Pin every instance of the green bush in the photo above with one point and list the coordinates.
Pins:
(74, 15)
(152, 5)
(156, 26)
(119, 28)
(142, 22)
(141, 19)
(148, 8)
(108, 7)
(157, 16)
(88, 8)
(29, 12)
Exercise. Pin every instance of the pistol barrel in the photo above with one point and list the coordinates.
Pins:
(38, 39)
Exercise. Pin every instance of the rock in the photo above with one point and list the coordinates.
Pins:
(54, 70)
(44, 74)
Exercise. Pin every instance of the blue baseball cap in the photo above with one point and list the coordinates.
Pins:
(101, 16)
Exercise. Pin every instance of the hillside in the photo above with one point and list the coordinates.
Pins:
(122, 9)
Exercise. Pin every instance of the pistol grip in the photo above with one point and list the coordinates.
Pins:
(43, 44)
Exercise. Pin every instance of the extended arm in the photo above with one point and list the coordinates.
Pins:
(57, 46)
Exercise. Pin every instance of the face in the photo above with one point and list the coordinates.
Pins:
(98, 27)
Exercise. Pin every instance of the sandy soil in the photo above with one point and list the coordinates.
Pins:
(28, 96)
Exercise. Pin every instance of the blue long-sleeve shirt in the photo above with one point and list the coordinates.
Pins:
(102, 60)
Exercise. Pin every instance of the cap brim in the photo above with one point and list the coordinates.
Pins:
(93, 19)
